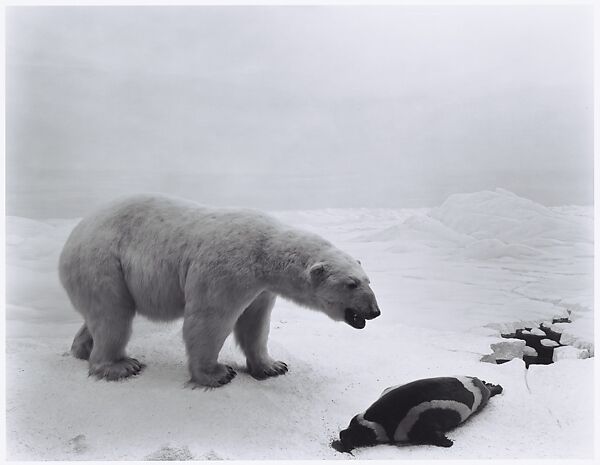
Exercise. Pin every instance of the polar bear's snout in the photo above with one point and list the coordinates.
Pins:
(357, 320)
(365, 308)
(374, 313)
(369, 304)
(368, 313)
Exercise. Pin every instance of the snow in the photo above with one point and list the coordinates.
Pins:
(561, 353)
(579, 334)
(530, 351)
(507, 350)
(449, 280)
(559, 327)
(537, 332)
(548, 343)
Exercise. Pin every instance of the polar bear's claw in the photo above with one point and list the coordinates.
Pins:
(214, 379)
(228, 377)
(274, 369)
(118, 370)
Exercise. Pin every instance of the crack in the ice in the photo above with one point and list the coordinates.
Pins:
(556, 302)
(455, 350)
(525, 373)
(526, 382)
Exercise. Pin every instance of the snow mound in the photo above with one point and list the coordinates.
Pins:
(491, 225)
(495, 248)
(418, 227)
(504, 216)
(33, 291)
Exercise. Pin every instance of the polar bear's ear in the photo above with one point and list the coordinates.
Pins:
(317, 271)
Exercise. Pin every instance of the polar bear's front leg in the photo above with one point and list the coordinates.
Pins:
(252, 332)
(204, 334)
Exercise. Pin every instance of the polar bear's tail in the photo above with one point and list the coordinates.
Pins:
(82, 344)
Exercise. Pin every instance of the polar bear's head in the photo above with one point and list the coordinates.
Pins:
(341, 290)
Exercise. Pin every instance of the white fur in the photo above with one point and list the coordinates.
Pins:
(220, 269)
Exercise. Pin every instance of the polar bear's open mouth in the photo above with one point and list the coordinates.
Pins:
(353, 319)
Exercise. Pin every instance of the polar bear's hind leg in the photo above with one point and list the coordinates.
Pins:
(82, 344)
(110, 334)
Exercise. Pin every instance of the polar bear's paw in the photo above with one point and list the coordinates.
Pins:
(118, 370)
(267, 369)
(219, 376)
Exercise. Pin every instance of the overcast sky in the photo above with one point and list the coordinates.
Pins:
(297, 107)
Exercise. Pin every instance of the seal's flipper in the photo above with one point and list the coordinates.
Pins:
(433, 438)
(441, 440)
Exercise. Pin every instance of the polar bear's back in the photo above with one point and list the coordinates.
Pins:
(151, 241)
(139, 218)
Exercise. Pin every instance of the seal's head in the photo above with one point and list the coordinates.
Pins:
(493, 388)
(356, 435)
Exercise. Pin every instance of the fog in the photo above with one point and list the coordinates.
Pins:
(297, 107)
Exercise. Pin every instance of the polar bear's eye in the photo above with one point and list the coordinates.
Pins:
(352, 285)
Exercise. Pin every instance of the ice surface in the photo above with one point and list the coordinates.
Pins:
(559, 327)
(579, 334)
(549, 343)
(565, 352)
(448, 281)
(529, 351)
(507, 350)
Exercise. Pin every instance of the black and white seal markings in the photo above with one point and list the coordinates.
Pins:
(418, 412)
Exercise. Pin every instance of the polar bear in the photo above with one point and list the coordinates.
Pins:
(219, 269)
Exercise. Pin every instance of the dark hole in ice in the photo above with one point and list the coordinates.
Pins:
(544, 353)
